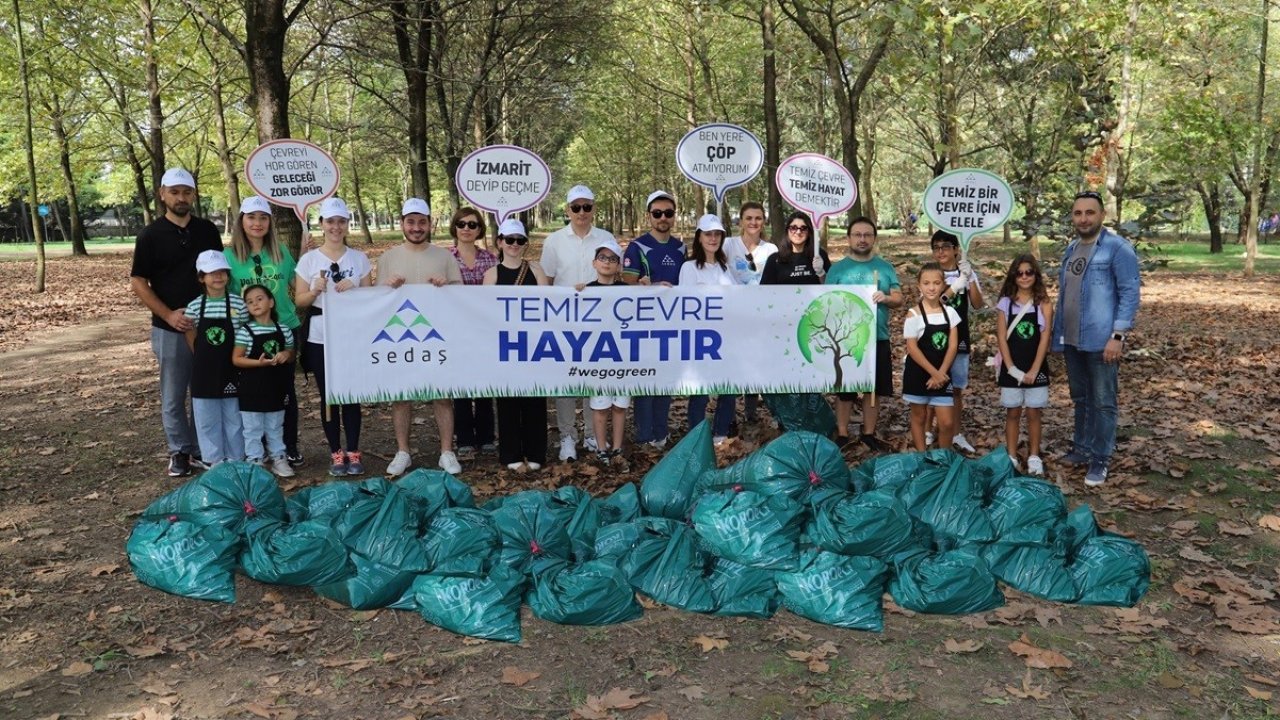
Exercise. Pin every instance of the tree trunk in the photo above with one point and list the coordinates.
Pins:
(155, 112)
(1256, 187)
(1116, 175)
(772, 134)
(76, 222)
(229, 174)
(1211, 200)
(413, 33)
(33, 194)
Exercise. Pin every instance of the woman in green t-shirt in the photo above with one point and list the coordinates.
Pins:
(257, 259)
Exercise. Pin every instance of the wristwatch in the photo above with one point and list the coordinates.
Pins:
(1117, 336)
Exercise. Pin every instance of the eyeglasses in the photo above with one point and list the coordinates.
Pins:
(797, 229)
(608, 259)
(514, 239)
(1026, 273)
(662, 214)
(257, 265)
(582, 207)
(335, 272)
(468, 224)
(937, 248)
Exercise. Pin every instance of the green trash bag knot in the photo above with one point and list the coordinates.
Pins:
(814, 479)
(534, 547)
(249, 509)
(737, 488)
(173, 518)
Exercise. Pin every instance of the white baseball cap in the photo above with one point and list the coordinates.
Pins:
(254, 203)
(415, 205)
(334, 207)
(658, 195)
(579, 192)
(212, 261)
(608, 244)
(512, 227)
(173, 177)
(709, 223)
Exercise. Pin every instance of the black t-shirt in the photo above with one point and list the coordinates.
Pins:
(165, 255)
(597, 283)
(798, 270)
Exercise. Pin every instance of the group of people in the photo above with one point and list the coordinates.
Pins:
(227, 327)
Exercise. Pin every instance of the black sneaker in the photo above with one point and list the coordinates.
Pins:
(179, 464)
(873, 443)
(198, 463)
(295, 458)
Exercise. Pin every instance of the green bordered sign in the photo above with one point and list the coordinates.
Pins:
(968, 202)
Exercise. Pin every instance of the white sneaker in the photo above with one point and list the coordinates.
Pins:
(591, 445)
(534, 466)
(515, 466)
(281, 467)
(399, 464)
(1035, 466)
(659, 444)
(960, 443)
(928, 439)
(719, 440)
(568, 449)
(1014, 460)
(449, 462)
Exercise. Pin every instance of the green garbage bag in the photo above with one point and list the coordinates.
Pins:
(992, 470)
(321, 501)
(585, 521)
(614, 540)
(951, 582)
(836, 590)
(667, 489)
(302, 553)
(794, 464)
(183, 558)
(741, 591)
(531, 524)
(382, 525)
(802, 411)
(228, 495)
(1111, 570)
(431, 491)
(460, 541)
(621, 506)
(875, 524)
(753, 529)
(945, 497)
(887, 472)
(589, 593)
(1025, 510)
(485, 607)
(373, 586)
(1035, 569)
(670, 569)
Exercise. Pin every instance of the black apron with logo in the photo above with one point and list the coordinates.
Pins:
(265, 389)
(213, 376)
(960, 302)
(933, 345)
(1024, 342)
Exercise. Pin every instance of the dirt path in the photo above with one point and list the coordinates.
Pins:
(81, 453)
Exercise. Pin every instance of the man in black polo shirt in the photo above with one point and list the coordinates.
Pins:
(164, 279)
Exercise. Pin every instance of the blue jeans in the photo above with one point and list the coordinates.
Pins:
(258, 425)
(652, 417)
(1094, 386)
(218, 427)
(174, 355)
(726, 408)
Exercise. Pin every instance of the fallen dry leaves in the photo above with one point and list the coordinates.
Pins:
(519, 678)
(816, 658)
(961, 646)
(1028, 691)
(711, 641)
(601, 707)
(1036, 657)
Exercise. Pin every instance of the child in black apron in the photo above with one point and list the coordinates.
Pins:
(216, 315)
(1022, 329)
(264, 354)
(931, 336)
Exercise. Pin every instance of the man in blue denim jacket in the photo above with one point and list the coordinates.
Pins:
(1098, 294)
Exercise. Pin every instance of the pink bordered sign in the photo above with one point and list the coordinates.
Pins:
(816, 185)
(503, 179)
(292, 173)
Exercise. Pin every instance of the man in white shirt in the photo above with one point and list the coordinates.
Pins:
(418, 261)
(567, 255)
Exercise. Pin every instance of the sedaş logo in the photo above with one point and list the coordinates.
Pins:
(407, 324)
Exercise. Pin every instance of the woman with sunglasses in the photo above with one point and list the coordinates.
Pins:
(799, 261)
(522, 421)
(257, 259)
(472, 417)
(708, 265)
(332, 267)
(747, 255)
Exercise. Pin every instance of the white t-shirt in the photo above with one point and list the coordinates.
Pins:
(709, 274)
(738, 265)
(353, 265)
(913, 326)
(567, 258)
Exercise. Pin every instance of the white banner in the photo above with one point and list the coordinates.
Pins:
(421, 342)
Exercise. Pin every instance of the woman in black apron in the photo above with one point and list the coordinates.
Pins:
(264, 355)
(931, 336)
(216, 314)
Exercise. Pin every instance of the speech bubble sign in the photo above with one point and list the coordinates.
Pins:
(816, 185)
(503, 179)
(720, 156)
(968, 202)
(292, 173)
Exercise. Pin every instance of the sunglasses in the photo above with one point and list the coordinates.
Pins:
(608, 259)
(751, 262)
(335, 272)
(662, 214)
(514, 239)
(797, 228)
(1026, 273)
(582, 207)
(257, 265)
(468, 224)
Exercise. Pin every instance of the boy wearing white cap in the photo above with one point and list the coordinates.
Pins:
(215, 317)
(417, 261)
(163, 277)
(567, 259)
(608, 262)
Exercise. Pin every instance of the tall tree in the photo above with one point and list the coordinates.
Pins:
(33, 190)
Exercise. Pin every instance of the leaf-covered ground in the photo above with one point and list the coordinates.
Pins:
(1195, 480)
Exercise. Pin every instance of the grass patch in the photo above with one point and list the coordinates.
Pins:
(1194, 256)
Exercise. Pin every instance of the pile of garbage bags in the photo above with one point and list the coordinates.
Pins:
(788, 526)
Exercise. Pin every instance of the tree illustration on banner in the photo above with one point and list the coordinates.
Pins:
(839, 324)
